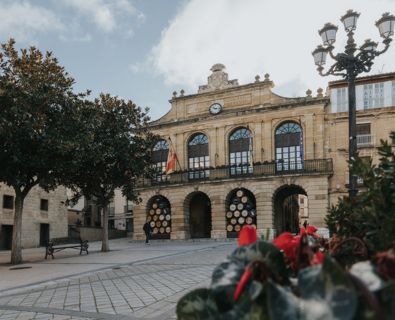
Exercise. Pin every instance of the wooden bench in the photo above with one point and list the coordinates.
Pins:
(58, 244)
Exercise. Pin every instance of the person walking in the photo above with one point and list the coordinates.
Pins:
(147, 231)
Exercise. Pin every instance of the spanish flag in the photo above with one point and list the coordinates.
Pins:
(171, 159)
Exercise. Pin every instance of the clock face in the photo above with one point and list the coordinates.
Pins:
(215, 108)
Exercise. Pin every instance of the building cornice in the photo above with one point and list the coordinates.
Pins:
(300, 102)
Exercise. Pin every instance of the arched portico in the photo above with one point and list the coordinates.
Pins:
(287, 208)
(198, 208)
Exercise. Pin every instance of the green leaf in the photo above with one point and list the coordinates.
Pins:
(197, 305)
(329, 285)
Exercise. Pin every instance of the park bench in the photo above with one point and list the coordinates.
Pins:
(58, 244)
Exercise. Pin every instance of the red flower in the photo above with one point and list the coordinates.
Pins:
(243, 281)
(310, 230)
(287, 243)
(318, 258)
(247, 235)
(302, 230)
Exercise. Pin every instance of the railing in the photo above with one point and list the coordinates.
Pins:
(365, 140)
(323, 166)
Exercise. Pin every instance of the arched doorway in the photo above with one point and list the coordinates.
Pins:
(240, 210)
(199, 215)
(159, 217)
(290, 208)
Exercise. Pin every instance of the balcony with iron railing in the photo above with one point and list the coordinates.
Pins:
(307, 167)
(365, 140)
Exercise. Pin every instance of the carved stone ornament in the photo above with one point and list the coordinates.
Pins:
(289, 180)
(218, 80)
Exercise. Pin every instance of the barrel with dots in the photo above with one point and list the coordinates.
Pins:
(241, 210)
(159, 217)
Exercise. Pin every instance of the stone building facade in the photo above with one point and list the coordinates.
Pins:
(246, 155)
(44, 216)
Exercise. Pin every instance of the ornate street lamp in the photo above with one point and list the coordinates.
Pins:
(350, 64)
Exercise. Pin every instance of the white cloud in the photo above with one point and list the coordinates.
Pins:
(23, 20)
(107, 15)
(259, 36)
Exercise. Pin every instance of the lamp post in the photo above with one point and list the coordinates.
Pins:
(349, 65)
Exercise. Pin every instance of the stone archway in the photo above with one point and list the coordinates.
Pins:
(199, 208)
(288, 202)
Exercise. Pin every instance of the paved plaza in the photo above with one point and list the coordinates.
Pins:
(133, 281)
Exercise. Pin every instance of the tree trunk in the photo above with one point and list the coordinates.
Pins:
(105, 246)
(16, 251)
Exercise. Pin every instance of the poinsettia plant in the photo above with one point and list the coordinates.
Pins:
(292, 278)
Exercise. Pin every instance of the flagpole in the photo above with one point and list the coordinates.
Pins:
(172, 146)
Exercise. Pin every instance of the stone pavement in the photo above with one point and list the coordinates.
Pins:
(134, 281)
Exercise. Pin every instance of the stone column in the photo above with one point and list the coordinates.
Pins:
(218, 226)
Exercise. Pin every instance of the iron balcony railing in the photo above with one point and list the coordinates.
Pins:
(279, 168)
(365, 140)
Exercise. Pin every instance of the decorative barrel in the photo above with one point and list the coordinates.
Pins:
(159, 217)
(240, 211)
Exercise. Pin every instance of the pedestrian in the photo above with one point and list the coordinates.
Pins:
(147, 231)
(305, 224)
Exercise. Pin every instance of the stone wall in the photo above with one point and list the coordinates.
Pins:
(56, 216)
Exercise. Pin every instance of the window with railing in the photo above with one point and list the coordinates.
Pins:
(159, 159)
(240, 152)
(289, 147)
(198, 157)
(364, 136)
(373, 95)
(342, 100)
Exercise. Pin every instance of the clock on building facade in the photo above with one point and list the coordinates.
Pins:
(215, 108)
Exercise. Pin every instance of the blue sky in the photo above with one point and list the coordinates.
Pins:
(143, 50)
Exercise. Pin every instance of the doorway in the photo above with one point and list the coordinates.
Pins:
(288, 211)
(44, 234)
(200, 215)
(6, 237)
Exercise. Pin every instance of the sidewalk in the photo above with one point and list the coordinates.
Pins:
(133, 281)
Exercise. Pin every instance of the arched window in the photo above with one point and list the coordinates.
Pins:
(289, 147)
(198, 157)
(159, 158)
(240, 152)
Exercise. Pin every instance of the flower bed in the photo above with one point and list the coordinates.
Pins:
(294, 277)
